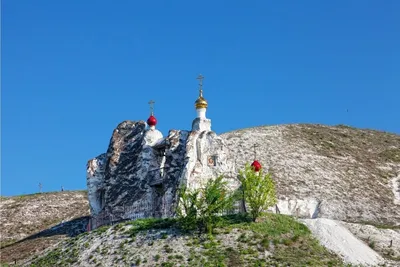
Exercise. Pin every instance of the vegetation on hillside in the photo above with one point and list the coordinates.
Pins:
(236, 241)
(199, 236)
(31, 223)
(199, 208)
(258, 190)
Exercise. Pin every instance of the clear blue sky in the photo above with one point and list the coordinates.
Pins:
(73, 70)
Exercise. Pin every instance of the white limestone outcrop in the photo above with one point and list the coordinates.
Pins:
(395, 184)
(338, 239)
(319, 171)
(95, 179)
(301, 208)
(141, 172)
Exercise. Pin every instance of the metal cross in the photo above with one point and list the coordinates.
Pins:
(151, 103)
(200, 78)
(40, 187)
(255, 151)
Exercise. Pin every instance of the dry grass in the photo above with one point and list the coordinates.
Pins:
(350, 171)
(22, 216)
(20, 251)
(26, 221)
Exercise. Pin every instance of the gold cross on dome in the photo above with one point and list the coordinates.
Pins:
(151, 103)
(200, 78)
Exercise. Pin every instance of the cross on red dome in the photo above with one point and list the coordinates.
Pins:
(256, 166)
(152, 121)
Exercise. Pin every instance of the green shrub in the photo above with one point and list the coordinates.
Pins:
(200, 207)
(188, 206)
(164, 236)
(258, 190)
(215, 198)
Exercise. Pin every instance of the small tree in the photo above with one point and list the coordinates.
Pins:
(215, 198)
(188, 205)
(205, 204)
(258, 190)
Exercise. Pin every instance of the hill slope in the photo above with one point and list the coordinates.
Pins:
(31, 223)
(279, 240)
(340, 173)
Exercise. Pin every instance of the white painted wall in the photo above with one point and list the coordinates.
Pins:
(201, 113)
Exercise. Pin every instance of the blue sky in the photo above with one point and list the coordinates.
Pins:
(72, 70)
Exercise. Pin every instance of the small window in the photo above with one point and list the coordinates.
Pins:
(212, 160)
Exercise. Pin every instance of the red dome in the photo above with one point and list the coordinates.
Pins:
(152, 121)
(256, 165)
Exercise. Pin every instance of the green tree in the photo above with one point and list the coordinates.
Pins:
(188, 206)
(215, 198)
(205, 204)
(258, 190)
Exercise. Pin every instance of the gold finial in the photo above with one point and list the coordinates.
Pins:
(201, 102)
(151, 103)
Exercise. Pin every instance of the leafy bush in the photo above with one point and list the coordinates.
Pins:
(258, 190)
(215, 198)
(188, 208)
(200, 207)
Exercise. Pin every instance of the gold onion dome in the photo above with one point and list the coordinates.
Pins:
(201, 102)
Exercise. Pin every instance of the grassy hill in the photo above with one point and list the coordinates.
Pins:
(278, 240)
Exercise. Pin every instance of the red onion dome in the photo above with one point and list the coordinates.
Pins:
(256, 166)
(152, 121)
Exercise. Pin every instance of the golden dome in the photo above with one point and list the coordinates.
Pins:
(201, 102)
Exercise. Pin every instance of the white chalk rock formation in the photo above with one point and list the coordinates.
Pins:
(385, 241)
(320, 172)
(95, 179)
(301, 208)
(141, 172)
(338, 239)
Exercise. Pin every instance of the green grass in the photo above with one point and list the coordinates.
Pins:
(102, 229)
(292, 242)
(148, 224)
(391, 154)
(289, 241)
(53, 258)
(275, 225)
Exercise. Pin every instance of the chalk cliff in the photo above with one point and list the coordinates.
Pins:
(141, 172)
